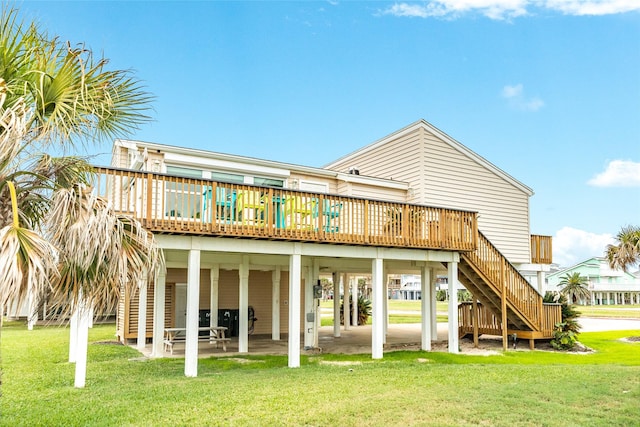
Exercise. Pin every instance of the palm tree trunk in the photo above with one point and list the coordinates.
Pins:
(82, 344)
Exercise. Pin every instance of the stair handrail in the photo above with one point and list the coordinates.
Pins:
(506, 278)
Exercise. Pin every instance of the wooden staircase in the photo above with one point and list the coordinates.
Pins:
(505, 296)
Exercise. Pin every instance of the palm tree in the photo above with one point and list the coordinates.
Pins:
(575, 287)
(55, 235)
(626, 253)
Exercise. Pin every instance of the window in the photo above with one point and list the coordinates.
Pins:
(268, 182)
(186, 172)
(227, 177)
(182, 199)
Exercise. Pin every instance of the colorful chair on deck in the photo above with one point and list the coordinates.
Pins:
(225, 204)
(299, 212)
(250, 207)
(330, 212)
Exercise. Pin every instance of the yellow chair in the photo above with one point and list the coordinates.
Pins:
(299, 211)
(250, 208)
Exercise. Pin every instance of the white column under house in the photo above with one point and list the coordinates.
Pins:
(346, 303)
(425, 306)
(193, 305)
(354, 306)
(336, 304)
(452, 278)
(294, 310)
(243, 302)
(158, 313)
(275, 304)
(434, 308)
(309, 320)
(377, 319)
(142, 313)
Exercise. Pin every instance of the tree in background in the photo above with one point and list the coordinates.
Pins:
(575, 287)
(56, 236)
(626, 253)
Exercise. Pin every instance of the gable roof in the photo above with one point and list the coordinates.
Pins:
(593, 262)
(444, 137)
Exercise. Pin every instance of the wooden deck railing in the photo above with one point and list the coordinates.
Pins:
(490, 324)
(551, 316)
(504, 277)
(170, 204)
(541, 249)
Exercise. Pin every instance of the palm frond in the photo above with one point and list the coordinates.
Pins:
(64, 171)
(626, 253)
(26, 264)
(100, 252)
(76, 99)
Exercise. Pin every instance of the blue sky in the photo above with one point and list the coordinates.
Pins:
(547, 90)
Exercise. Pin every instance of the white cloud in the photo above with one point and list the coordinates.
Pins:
(592, 7)
(619, 173)
(507, 9)
(494, 9)
(571, 246)
(517, 100)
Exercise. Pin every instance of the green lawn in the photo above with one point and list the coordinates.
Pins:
(613, 311)
(411, 311)
(518, 388)
(399, 312)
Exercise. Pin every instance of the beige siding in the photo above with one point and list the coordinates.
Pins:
(377, 193)
(259, 295)
(441, 175)
(454, 180)
(398, 160)
(128, 307)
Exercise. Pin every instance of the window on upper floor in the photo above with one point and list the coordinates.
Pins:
(227, 177)
(268, 182)
(183, 200)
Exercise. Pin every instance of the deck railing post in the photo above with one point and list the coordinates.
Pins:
(505, 336)
(149, 198)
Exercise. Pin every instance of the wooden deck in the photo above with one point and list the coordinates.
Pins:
(176, 205)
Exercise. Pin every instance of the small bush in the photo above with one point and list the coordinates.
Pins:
(565, 334)
(563, 338)
(464, 296)
(364, 311)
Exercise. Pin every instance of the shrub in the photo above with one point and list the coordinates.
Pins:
(565, 334)
(364, 311)
(465, 296)
(563, 337)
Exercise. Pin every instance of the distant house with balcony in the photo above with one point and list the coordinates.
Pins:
(256, 236)
(607, 286)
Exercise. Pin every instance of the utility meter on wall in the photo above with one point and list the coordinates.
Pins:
(317, 290)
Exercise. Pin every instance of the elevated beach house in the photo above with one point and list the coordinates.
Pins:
(247, 239)
(606, 286)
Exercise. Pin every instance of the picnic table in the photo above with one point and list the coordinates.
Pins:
(179, 335)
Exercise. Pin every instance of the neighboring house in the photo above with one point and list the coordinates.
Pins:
(241, 233)
(606, 285)
(410, 287)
